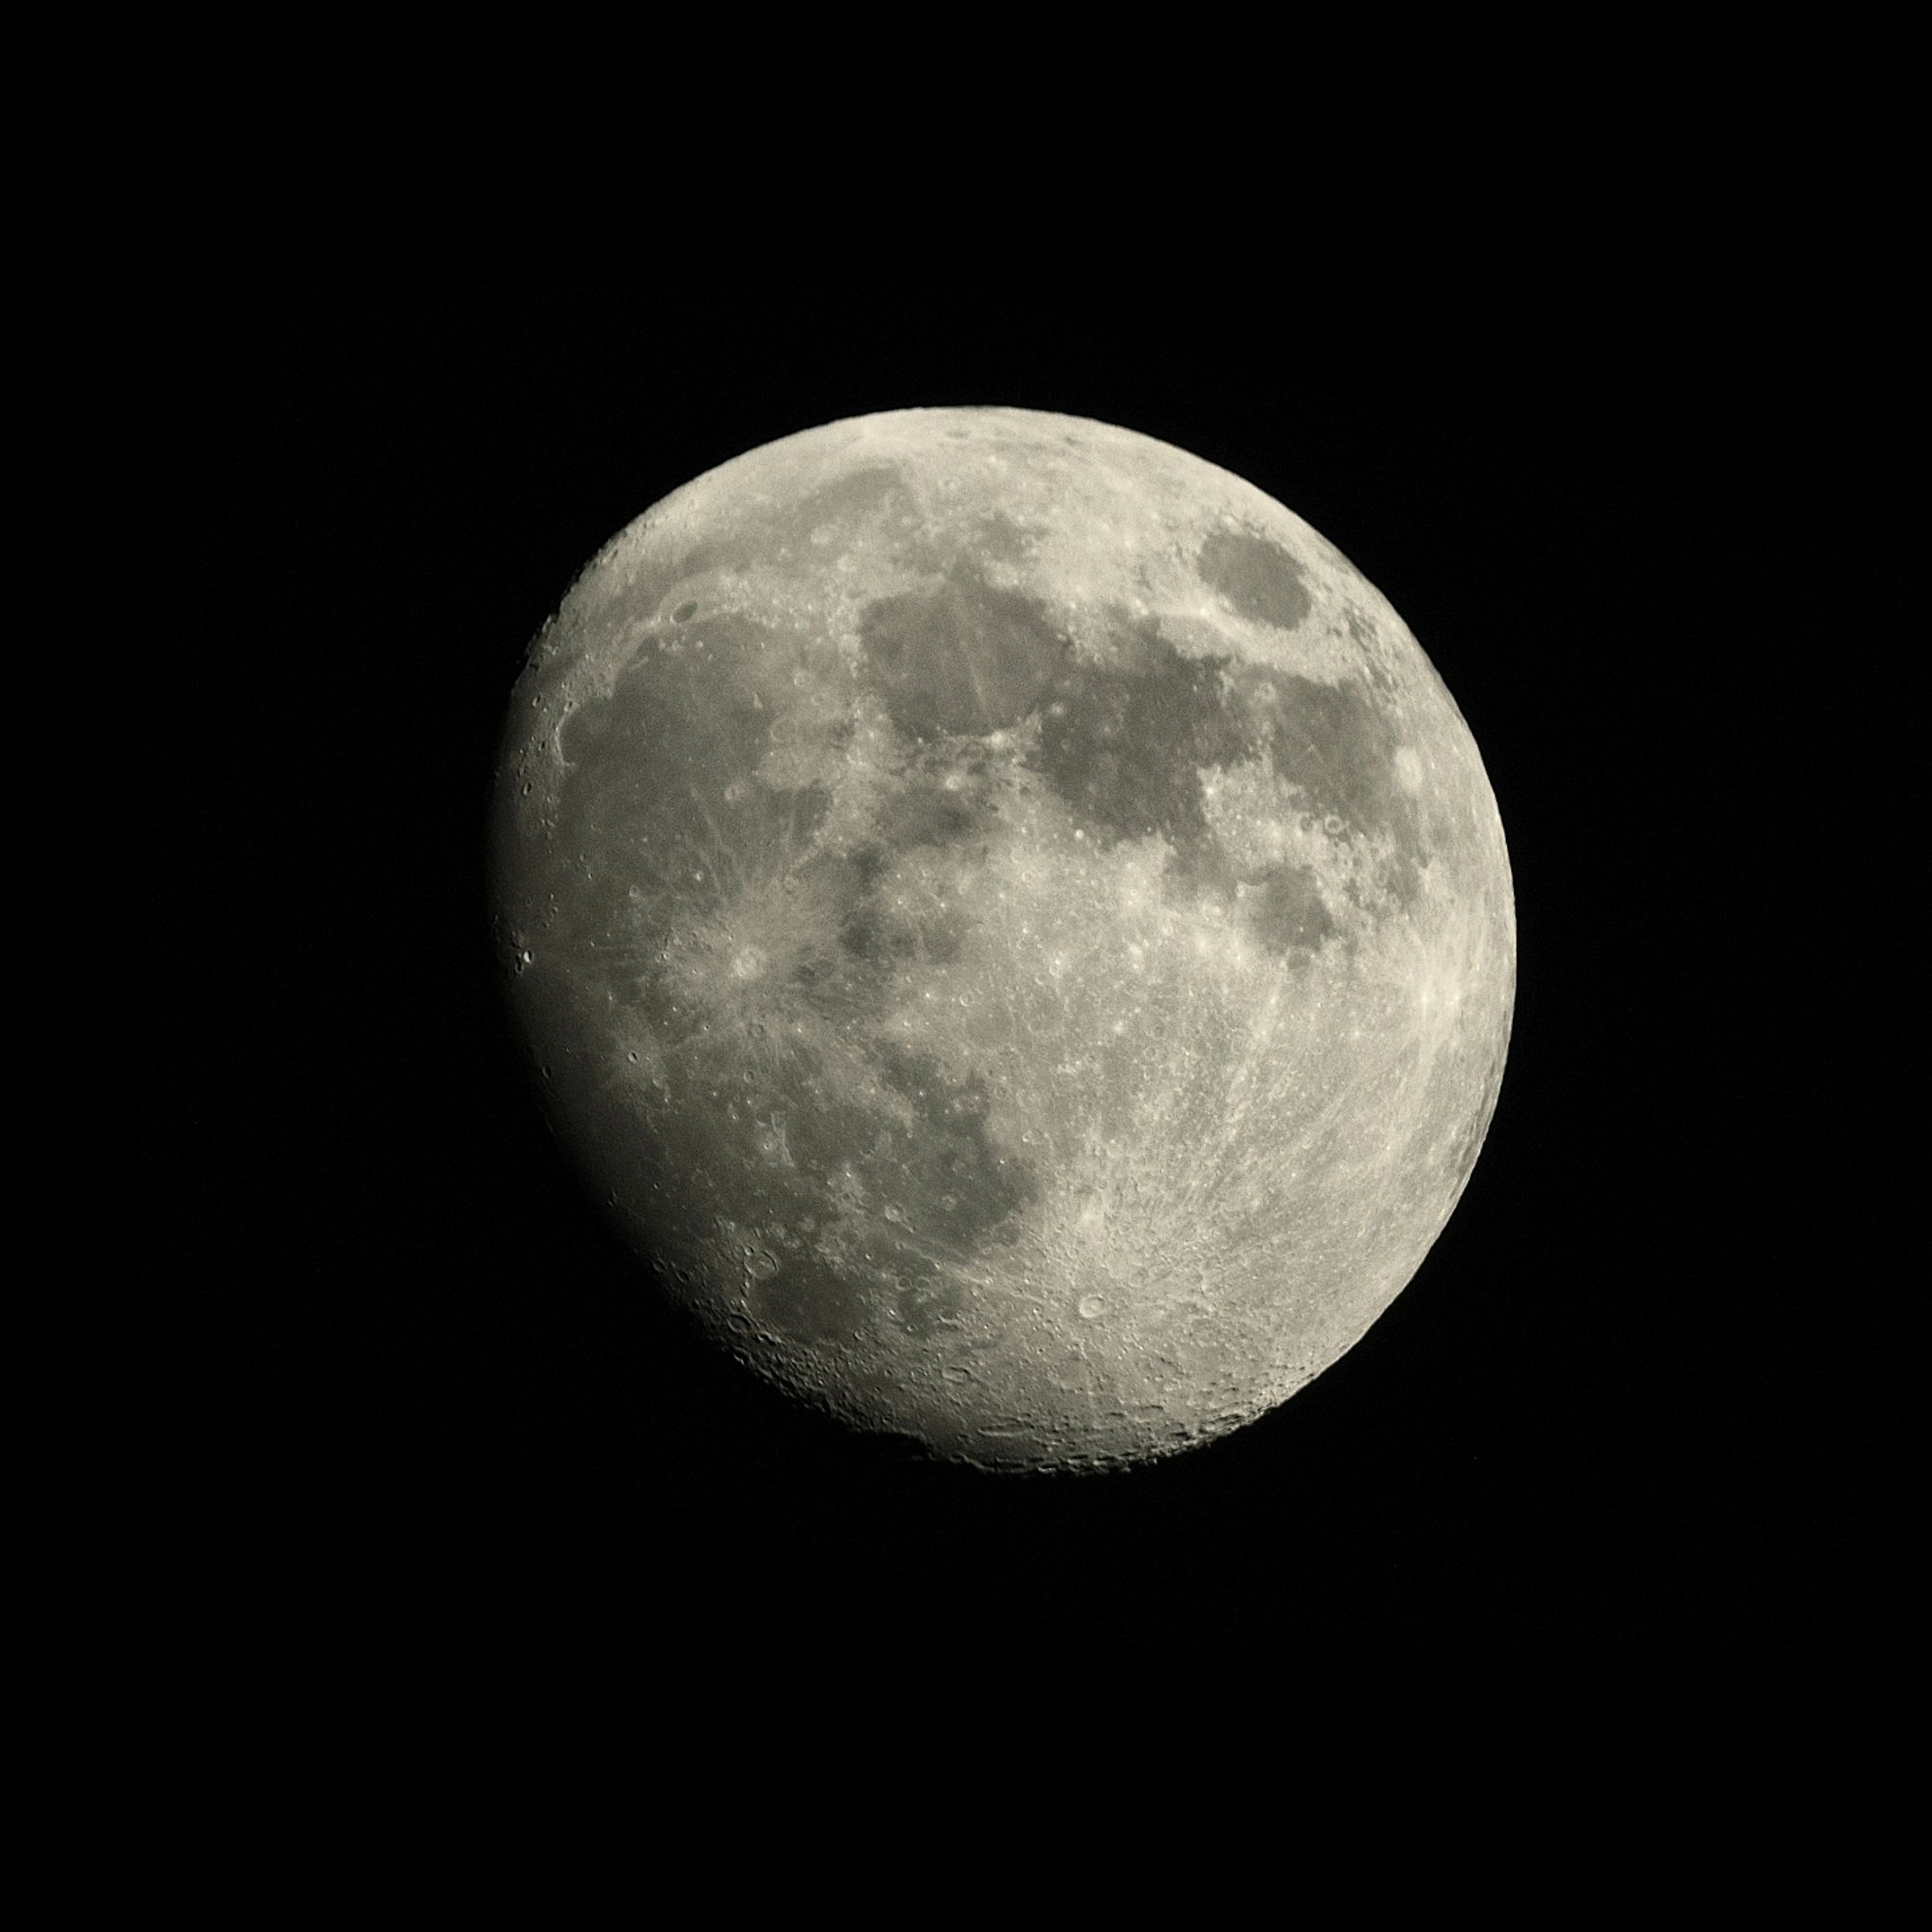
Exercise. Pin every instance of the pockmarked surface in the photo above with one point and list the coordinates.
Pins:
(1011, 925)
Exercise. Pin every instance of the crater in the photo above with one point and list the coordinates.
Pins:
(1260, 578)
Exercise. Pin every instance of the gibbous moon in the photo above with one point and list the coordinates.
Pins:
(1011, 925)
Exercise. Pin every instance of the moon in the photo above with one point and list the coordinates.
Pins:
(1010, 925)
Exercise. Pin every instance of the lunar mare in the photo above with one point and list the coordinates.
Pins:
(1013, 927)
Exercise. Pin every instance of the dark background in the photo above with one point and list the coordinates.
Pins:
(402, 1389)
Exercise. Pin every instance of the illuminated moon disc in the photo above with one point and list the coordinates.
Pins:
(1016, 929)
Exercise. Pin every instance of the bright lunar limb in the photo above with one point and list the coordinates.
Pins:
(1012, 924)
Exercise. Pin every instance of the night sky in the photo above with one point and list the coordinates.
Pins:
(1646, 1393)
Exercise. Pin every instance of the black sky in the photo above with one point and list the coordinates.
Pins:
(1644, 1393)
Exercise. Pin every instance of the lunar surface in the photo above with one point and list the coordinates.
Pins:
(1011, 926)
